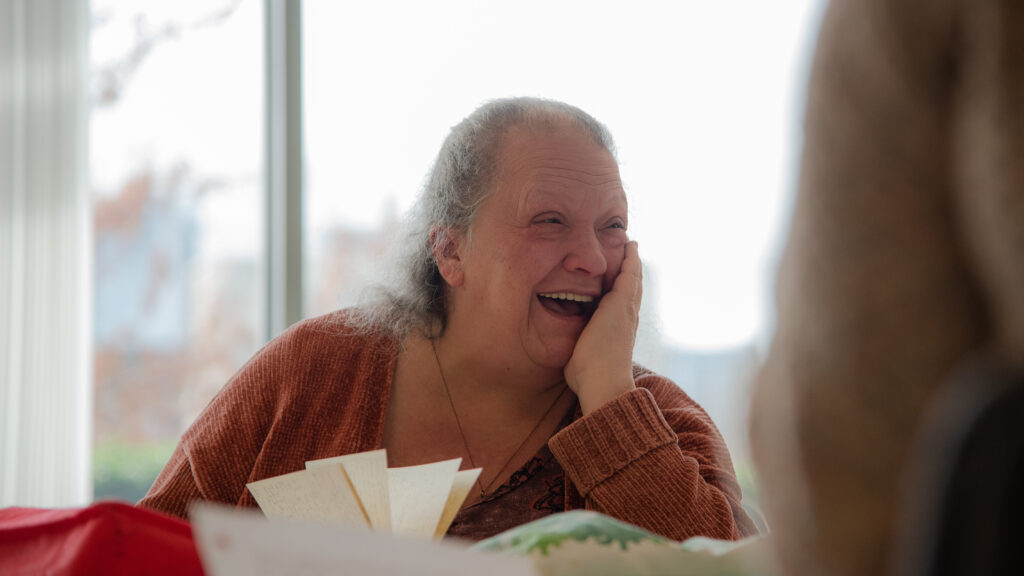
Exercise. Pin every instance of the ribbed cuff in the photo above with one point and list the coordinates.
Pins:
(610, 438)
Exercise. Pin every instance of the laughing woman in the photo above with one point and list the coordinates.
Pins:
(509, 343)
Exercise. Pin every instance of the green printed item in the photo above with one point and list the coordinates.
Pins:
(582, 542)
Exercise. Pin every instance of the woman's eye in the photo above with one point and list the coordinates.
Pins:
(549, 220)
(617, 225)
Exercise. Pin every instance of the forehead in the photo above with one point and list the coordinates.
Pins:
(556, 163)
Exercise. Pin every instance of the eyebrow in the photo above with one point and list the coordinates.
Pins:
(541, 194)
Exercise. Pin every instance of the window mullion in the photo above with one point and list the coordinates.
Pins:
(283, 169)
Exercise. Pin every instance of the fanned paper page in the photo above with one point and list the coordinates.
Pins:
(360, 490)
(463, 483)
(418, 495)
(321, 495)
(367, 473)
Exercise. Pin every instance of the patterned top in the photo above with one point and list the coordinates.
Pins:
(532, 492)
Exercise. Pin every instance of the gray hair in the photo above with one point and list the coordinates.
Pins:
(457, 185)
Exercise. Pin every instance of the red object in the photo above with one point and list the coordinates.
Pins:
(105, 538)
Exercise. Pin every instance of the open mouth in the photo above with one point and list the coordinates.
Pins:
(568, 303)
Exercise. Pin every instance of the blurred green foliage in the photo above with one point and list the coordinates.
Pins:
(746, 475)
(125, 471)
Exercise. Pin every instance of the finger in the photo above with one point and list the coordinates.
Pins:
(630, 279)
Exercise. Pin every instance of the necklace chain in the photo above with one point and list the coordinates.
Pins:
(462, 433)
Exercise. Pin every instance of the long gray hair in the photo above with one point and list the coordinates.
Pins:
(457, 185)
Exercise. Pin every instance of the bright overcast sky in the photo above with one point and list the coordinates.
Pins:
(702, 98)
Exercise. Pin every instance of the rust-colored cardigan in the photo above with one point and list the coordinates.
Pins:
(652, 457)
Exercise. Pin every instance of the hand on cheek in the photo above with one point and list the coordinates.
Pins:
(601, 366)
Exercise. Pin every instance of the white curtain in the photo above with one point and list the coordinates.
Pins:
(45, 292)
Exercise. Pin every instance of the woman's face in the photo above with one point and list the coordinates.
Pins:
(544, 247)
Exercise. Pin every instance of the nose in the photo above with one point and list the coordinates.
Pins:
(586, 254)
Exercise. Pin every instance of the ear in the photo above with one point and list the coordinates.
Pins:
(446, 244)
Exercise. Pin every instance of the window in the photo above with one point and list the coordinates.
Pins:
(176, 159)
(701, 98)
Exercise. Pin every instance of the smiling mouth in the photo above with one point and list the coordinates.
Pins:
(568, 303)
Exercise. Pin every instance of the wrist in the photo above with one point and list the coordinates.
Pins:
(595, 393)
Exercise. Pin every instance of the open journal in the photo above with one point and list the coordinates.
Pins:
(360, 489)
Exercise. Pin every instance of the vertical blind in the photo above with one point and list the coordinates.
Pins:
(44, 251)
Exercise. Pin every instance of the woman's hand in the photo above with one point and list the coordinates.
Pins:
(601, 367)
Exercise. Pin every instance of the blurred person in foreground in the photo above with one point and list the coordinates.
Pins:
(509, 343)
(906, 256)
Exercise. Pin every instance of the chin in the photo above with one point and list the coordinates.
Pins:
(555, 357)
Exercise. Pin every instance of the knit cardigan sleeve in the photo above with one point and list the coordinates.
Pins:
(652, 457)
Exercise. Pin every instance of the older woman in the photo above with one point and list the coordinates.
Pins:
(509, 344)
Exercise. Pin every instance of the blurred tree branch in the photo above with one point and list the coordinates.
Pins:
(109, 80)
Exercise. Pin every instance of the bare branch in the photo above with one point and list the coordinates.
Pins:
(110, 81)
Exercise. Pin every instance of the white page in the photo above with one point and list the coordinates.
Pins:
(461, 487)
(418, 495)
(320, 495)
(243, 543)
(368, 474)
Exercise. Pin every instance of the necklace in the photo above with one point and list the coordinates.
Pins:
(462, 433)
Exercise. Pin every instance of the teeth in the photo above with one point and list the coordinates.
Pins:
(568, 296)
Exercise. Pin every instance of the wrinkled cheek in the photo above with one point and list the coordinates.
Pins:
(614, 266)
